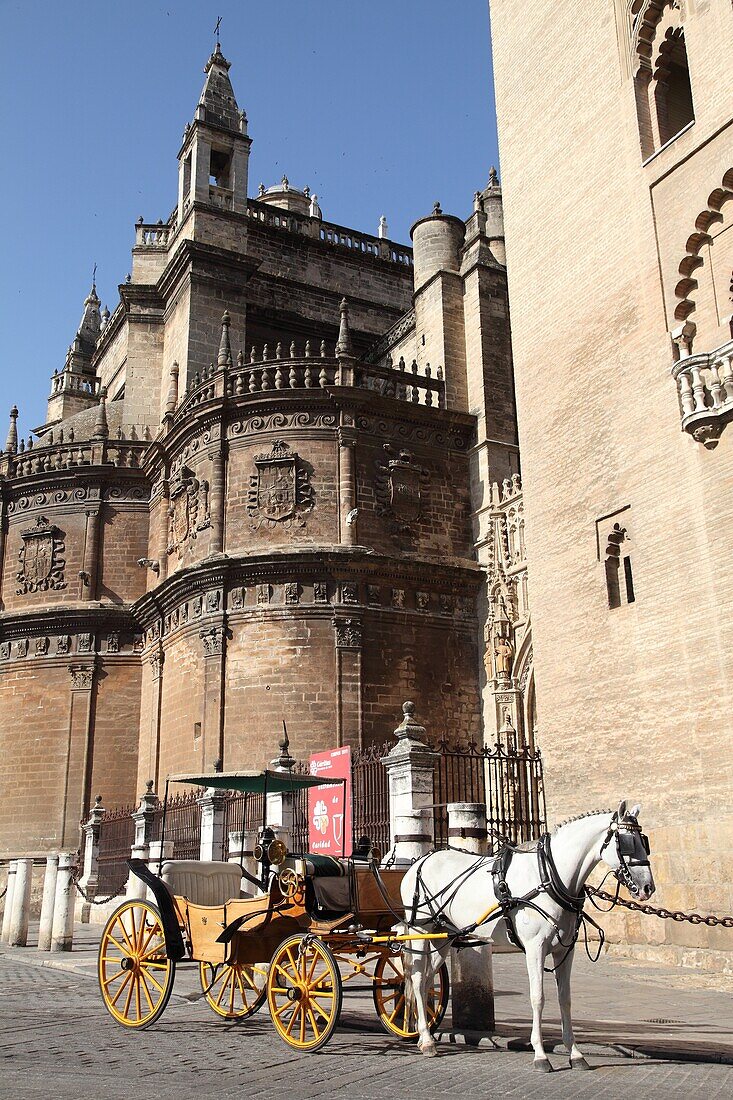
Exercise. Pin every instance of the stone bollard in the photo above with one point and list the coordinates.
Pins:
(413, 836)
(49, 896)
(472, 978)
(158, 852)
(212, 804)
(241, 851)
(62, 928)
(409, 767)
(18, 930)
(9, 891)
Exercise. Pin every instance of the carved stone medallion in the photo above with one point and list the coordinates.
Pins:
(189, 509)
(41, 559)
(399, 484)
(280, 490)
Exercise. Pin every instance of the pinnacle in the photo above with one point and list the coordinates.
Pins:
(11, 443)
(343, 345)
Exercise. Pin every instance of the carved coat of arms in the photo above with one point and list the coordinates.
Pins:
(189, 510)
(399, 483)
(41, 561)
(280, 490)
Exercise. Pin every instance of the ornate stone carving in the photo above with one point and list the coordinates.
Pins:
(348, 633)
(138, 643)
(280, 490)
(41, 647)
(213, 641)
(236, 598)
(398, 597)
(184, 613)
(198, 604)
(350, 592)
(422, 601)
(82, 677)
(156, 665)
(113, 642)
(320, 592)
(213, 600)
(292, 592)
(263, 594)
(41, 559)
(399, 484)
(63, 645)
(20, 647)
(256, 424)
(446, 603)
(189, 509)
(4, 651)
(85, 643)
(373, 593)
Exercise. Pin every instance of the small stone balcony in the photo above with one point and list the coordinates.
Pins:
(705, 391)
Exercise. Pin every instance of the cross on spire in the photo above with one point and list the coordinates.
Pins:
(216, 28)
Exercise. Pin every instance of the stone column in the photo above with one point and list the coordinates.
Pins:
(217, 501)
(213, 640)
(472, 978)
(47, 905)
(143, 817)
(411, 788)
(349, 716)
(281, 807)
(347, 487)
(18, 930)
(62, 928)
(90, 874)
(9, 891)
(212, 824)
(91, 554)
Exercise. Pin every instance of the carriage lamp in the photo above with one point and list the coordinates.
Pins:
(277, 852)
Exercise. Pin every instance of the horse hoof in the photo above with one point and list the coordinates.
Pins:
(542, 1064)
(429, 1050)
(579, 1063)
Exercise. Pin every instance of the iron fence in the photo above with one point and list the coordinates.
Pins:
(370, 794)
(182, 824)
(116, 836)
(242, 813)
(508, 781)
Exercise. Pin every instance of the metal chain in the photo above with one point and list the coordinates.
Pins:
(3, 893)
(95, 900)
(666, 914)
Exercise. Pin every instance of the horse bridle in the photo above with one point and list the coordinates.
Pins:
(624, 832)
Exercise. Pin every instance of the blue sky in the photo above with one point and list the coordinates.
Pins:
(381, 107)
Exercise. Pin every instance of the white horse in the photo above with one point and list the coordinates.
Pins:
(452, 890)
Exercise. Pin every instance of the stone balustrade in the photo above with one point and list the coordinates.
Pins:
(72, 382)
(328, 232)
(705, 390)
(222, 197)
(152, 236)
(125, 454)
(268, 372)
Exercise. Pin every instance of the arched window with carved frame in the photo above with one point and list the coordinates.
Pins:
(662, 85)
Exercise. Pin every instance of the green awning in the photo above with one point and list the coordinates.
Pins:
(273, 782)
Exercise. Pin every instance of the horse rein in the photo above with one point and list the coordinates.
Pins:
(623, 871)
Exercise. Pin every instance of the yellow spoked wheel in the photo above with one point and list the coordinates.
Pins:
(396, 1015)
(304, 992)
(135, 975)
(234, 990)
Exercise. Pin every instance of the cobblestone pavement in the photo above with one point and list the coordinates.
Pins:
(57, 1040)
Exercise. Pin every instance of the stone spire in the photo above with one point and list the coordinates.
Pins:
(11, 443)
(91, 319)
(218, 104)
(224, 358)
(344, 346)
(101, 428)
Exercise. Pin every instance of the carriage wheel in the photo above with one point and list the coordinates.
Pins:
(234, 990)
(135, 974)
(396, 1016)
(304, 992)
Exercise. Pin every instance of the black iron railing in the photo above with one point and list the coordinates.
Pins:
(116, 835)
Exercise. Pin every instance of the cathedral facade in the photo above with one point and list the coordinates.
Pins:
(279, 481)
(619, 206)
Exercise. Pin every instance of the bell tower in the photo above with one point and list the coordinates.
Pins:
(214, 158)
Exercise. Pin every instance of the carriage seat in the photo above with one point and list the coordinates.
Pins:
(203, 883)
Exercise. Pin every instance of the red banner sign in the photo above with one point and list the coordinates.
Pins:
(329, 807)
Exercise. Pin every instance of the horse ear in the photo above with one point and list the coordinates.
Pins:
(635, 810)
(621, 811)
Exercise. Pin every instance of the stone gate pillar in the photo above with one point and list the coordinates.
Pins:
(212, 804)
(409, 767)
(143, 817)
(90, 872)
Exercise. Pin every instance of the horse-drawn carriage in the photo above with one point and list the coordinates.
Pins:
(315, 924)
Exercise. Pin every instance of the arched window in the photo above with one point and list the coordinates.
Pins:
(672, 90)
(619, 576)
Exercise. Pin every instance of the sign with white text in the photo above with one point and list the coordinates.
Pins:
(329, 807)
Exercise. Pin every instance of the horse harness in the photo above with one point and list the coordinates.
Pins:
(550, 883)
